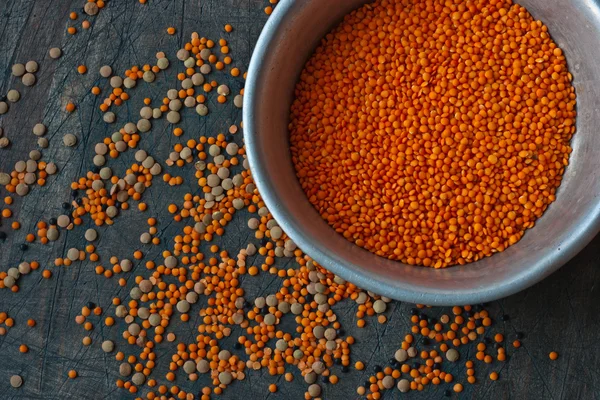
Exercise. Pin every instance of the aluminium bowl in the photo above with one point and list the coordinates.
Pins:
(288, 39)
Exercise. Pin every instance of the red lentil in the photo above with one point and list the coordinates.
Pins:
(406, 154)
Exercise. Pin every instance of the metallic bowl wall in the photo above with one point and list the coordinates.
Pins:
(288, 39)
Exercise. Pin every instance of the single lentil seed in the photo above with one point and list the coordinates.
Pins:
(452, 355)
(31, 66)
(13, 96)
(108, 346)
(28, 79)
(55, 53)
(105, 71)
(70, 140)
(18, 70)
(16, 381)
(39, 129)
(91, 235)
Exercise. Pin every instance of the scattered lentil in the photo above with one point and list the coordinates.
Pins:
(31, 66)
(108, 346)
(106, 71)
(452, 355)
(16, 381)
(55, 53)
(28, 79)
(314, 390)
(404, 385)
(70, 140)
(13, 95)
(18, 70)
(91, 235)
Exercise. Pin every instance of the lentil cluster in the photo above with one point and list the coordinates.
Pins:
(196, 282)
(433, 132)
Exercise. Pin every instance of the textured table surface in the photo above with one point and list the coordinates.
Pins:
(560, 314)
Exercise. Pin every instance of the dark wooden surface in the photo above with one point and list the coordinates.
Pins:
(561, 313)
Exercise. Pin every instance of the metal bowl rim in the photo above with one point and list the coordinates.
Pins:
(550, 261)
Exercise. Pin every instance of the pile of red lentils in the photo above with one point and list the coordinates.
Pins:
(436, 132)
(201, 284)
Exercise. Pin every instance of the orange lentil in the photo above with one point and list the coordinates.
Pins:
(171, 30)
(389, 114)
(70, 107)
(82, 69)
(553, 355)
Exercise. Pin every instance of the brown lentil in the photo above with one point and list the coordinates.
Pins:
(16, 381)
(55, 53)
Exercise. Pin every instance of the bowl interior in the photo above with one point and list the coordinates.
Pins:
(288, 39)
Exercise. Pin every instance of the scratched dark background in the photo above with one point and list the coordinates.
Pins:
(560, 314)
